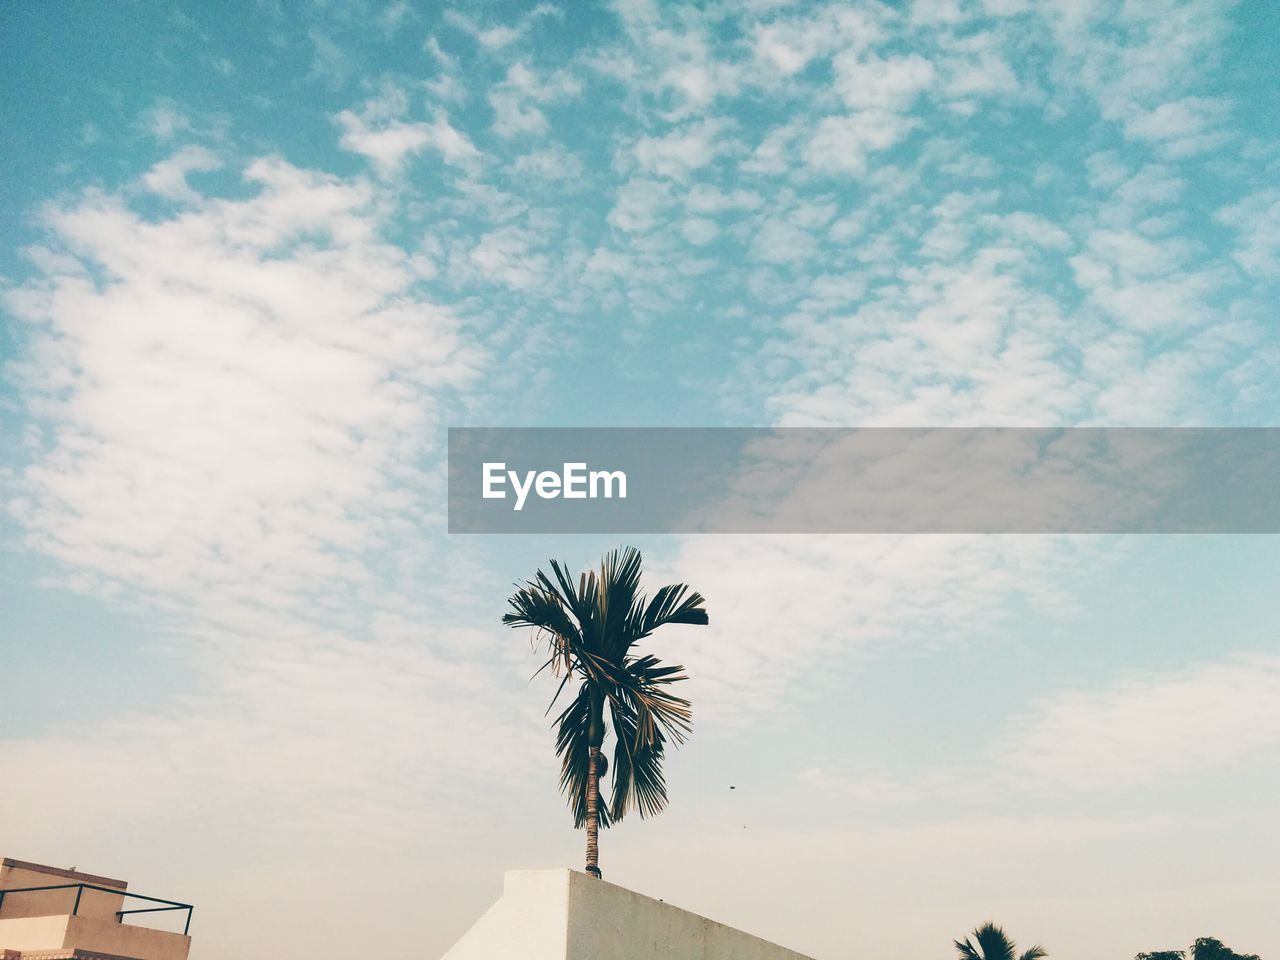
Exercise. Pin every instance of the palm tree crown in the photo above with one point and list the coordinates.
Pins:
(990, 943)
(591, 629)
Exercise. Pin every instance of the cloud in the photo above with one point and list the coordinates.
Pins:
(1139, 66)
(1146, 729)
(497, 38)
(390, 143)
(842, 144)
(789, 45)
(394, 16)
(516, 100)
(1256, 219)
(507, 255)
(550, 163)
(330, 63)
(874, 83)
(168, 178)
(229, 423)
(839, 216)
(672, 58)
(233, 421)
(165, 120)
(1139, 732)
(1182, 127)
(639, 206)
(682, 151)
(448, 85)
(700, 231)
(833, 601)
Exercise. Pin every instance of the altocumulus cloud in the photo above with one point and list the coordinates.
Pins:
(231, 396)
(235, 408)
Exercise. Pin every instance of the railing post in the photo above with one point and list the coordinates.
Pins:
(75, 911)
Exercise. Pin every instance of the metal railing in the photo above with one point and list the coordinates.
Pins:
(80, 888)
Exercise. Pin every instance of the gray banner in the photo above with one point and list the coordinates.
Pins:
(865, 480)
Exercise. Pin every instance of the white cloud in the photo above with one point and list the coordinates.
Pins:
(699, 231)
(640, 205)
(773, 154)
(787, 46)
(509, 256)
(168, 178)
(448, 85)
(704, 198)
(550, 163)
(1182, 127)
(780, 240)
(843, 144)
(1140, 731)
(230, 413)
(330, 64)
(394, 16)
(1256, 219)
(832, 600)
(229, 393)
(500, 36)
(672, 53)
(870, 82)
(165, 120)
(390, 143)
(1139, 65)
(682, 151)
(516, 100)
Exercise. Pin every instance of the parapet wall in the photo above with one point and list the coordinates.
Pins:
(567, 915)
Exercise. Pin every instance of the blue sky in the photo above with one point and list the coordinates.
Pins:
(256, 260)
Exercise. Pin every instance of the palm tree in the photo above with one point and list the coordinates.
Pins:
(992, 944)
(591, 630)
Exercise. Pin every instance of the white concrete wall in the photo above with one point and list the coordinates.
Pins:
(566, 915)
(608, 922)
(529, 922)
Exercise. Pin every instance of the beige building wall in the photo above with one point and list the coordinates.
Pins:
(41, 924)
(567, 915)
(48, 903)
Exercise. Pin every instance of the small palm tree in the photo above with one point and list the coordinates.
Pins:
(591, 630)
(992, 944)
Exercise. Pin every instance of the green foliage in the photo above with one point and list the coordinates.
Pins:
(990, 943)
(1207, 948)
(591, 629)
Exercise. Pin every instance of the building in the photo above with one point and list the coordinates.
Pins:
(567, 915)
(47, 913)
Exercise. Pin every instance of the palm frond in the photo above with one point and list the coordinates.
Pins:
(538, 605)
(619, 589)
(993, 943)
(573, 749)
(638, 783)
(1035, 953)
(642, 681)
(966, 950)
(674, 603)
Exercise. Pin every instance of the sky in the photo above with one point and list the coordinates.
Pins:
(256, 258)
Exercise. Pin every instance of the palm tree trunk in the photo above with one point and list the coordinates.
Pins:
(593, 812)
